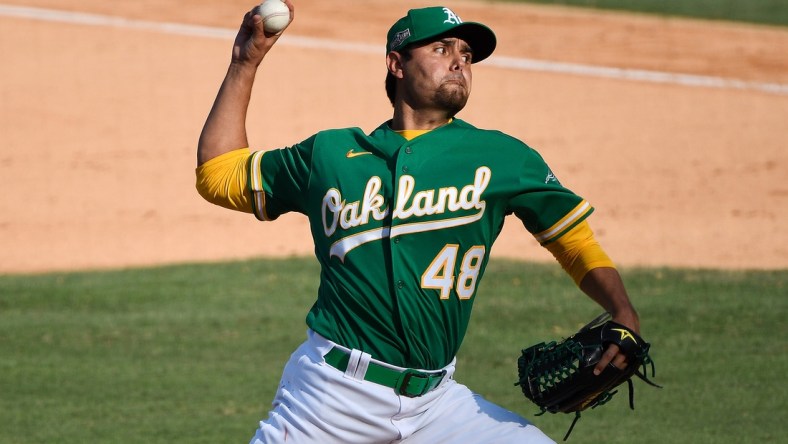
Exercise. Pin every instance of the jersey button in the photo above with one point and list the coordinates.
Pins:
(405, 169)
(408, 150)
(400, 285)
(396, 240)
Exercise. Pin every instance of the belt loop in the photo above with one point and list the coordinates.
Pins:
(352, 365)
(363, 365)
(357, 365)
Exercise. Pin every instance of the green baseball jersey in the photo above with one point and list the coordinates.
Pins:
(403, 229)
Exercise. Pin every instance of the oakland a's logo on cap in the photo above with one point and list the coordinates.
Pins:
(452, 18)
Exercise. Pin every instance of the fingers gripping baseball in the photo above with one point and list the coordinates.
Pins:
(253, 42)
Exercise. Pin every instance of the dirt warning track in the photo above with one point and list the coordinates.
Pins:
(673, 129)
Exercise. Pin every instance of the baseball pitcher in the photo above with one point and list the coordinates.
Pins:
(403, 219)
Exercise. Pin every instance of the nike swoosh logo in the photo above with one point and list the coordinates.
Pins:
(350, 154)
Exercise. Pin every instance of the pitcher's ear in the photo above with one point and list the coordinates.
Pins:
(394, 64)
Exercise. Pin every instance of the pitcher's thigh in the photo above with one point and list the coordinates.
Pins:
(466, 417)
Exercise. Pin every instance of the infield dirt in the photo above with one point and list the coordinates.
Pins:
(100, 123)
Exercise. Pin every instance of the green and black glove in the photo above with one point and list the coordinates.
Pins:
(559, 376)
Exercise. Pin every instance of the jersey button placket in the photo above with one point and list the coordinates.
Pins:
(402, 161)
(408, 150)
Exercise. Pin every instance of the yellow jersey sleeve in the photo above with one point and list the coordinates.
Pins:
(578, 252)
(223, 180)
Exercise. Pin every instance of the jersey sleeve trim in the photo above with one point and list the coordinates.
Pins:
(256, 185)
(575, 216)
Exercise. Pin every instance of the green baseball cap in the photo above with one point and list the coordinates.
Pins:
(426, 23)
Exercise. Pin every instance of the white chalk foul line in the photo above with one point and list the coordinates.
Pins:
(516, 63)
(636, 75)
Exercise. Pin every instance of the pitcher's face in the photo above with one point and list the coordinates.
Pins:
(438, 75)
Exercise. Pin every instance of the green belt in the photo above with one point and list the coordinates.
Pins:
(408, 382)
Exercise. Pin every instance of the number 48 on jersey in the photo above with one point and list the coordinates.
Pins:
(440, 274)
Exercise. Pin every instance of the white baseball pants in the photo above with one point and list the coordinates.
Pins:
(316, 403)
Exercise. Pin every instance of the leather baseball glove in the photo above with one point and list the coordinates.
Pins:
(559, 376)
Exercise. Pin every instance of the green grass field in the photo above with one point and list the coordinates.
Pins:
(193, 353)
(770, 12)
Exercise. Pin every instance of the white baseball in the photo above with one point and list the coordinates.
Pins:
(276, 15)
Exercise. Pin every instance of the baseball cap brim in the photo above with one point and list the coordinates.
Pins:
(481, 39)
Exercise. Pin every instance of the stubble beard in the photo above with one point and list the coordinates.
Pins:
(451, 97)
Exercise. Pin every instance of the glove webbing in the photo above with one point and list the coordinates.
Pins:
(568, 359)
